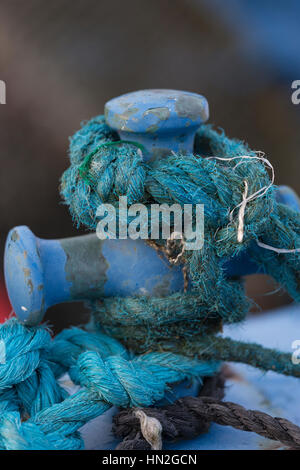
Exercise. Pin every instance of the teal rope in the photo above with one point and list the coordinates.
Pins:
(107, 373)
(140, 322)
(84, 167)
(229, 350)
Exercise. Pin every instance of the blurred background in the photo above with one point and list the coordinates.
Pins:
(63, 59)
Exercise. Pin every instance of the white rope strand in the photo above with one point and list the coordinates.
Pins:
(261, 192)
(240, 233)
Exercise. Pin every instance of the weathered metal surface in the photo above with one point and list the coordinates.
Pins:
(41, 273)
(160, 120)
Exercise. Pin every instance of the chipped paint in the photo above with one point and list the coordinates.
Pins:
(81, 268)
(28, 280)
(14, 236)
(120, 120)
(157, 119)
(191, 106)
(85, 266)
(162, 113)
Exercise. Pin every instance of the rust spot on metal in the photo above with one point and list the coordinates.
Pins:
(162, 113)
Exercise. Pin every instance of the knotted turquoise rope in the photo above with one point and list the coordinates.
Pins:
(37, 414)
(218, 182)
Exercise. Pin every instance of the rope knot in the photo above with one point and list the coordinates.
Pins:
(138, 382)
(119, 381)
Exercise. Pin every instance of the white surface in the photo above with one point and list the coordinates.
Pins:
(269, 392)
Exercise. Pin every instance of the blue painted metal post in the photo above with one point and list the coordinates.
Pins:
(40, 273)
(161, 120)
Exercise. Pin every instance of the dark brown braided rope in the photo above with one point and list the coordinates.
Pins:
(190, 416)
(177, 422)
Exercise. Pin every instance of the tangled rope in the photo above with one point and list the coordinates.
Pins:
(241, 212)
(36, 412)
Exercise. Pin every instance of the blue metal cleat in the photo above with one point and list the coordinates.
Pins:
(41, 273)
(160, 120)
